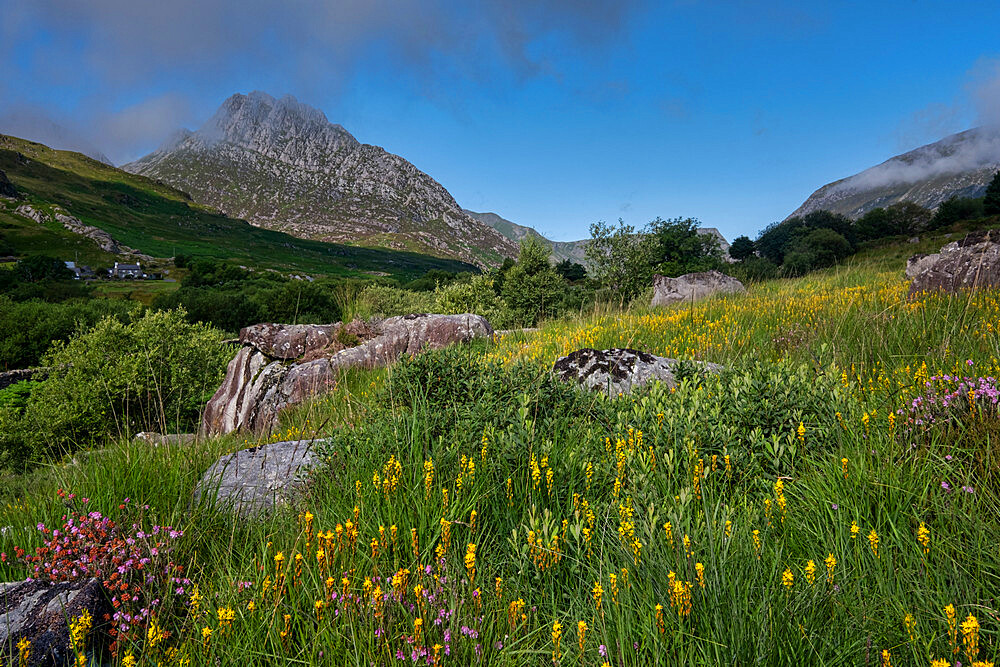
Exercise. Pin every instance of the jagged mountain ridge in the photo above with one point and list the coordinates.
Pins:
(281, 164)
(960, 165)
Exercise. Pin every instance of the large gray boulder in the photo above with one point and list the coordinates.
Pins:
(254, 480)
(281, 365)
(973, 262)
(40, 613)
(619, 371)
(693, 286)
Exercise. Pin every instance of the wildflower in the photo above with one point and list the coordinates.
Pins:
(128, 660)
(413, 542)
(154, 634)
(940, 663)
(195, 598)
(668, 529)
(885, 658)
(680, 597)
(23, 652)
(801, 432)
(318, 606)
(206, 636)
(470, 561)
(418, 624)
(556, 636)
(811, 571)
(78, 629)
(598, 591)
(661, 626)
(873, 541)
(911, 624)
(729, 528)
(843, 467)
(855, 529)
(581, 634)
(756, 542)
(686, 541)
(472, 521)
(949, 613)
(613, 578)
(787, 579)
(284, 634)
(345, 585)
(699, 573)
(924, 537)
(970, 637)
(831, 563)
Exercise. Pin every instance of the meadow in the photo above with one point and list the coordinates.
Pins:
(829, 499)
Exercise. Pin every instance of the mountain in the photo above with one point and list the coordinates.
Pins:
(574, 251)
(282, 165)
(36, 127)
(75, 208)
(959, 165)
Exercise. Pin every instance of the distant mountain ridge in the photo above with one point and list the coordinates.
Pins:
(574, 251)
(960, 165)
(281, 164)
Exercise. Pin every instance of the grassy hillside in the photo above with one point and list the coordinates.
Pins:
(802, 508)
(160, 221)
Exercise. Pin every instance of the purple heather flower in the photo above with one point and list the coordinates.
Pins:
(946, 486)
(835, 506)
(603, 650)
(968, 489)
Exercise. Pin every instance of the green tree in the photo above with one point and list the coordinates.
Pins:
(991, 202)
(678, 247)
(38, 268)
(955, 210)
(619, 258)
(571, 271)
(532, 288)
(741, 248)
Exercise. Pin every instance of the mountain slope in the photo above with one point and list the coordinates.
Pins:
(574, 251)
(959, 165)
(161, 221)
(282, 165)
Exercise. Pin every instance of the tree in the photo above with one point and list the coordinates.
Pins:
(956, 209)
(991, 202)
(678, 247)
(571, 271)
(619, 258)
(42, 267)
(532, 288)
(741, 248)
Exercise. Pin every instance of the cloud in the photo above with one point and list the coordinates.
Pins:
(950, 153)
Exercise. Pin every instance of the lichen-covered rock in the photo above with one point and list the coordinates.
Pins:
(973, 262)
(282, 365)
(40, 612)
(254, 480)
(693, 286)
(619, 371)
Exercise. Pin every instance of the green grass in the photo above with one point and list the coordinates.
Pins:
(143, 291)
(620, 469)
(160, 221)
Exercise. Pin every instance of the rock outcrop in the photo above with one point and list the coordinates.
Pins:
(40, 612)
(619, 371)
(281, 365)
(104, 240)
(254, 480)
(973, 262)
(693, 286)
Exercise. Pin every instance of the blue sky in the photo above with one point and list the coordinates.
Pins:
(552, 113)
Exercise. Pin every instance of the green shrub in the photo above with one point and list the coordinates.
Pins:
(152, 373)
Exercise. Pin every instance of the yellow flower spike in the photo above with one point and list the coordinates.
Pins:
(470, 561)
(873, 541)
(787, 579)
(598, 591)
(660, 625)
(855, 529)
(810, 571)
(756, 542)
(24, 652)
(924, 537)
(970, 637)
(843, 467)
(556, 636)
(699, 573)
(886, 656)
(581, 634)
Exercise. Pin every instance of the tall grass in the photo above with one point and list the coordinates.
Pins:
(710, 501)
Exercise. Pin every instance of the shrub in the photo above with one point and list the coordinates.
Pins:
(153, 372)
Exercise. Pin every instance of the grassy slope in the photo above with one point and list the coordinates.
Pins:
(160, 221)
(853, 317)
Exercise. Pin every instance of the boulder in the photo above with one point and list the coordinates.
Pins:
(619, 371)
(693, 286)
(973, 262)
(40, 612)
(282, 365)
(254, 480)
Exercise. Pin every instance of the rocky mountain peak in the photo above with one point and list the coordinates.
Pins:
(282, 164)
